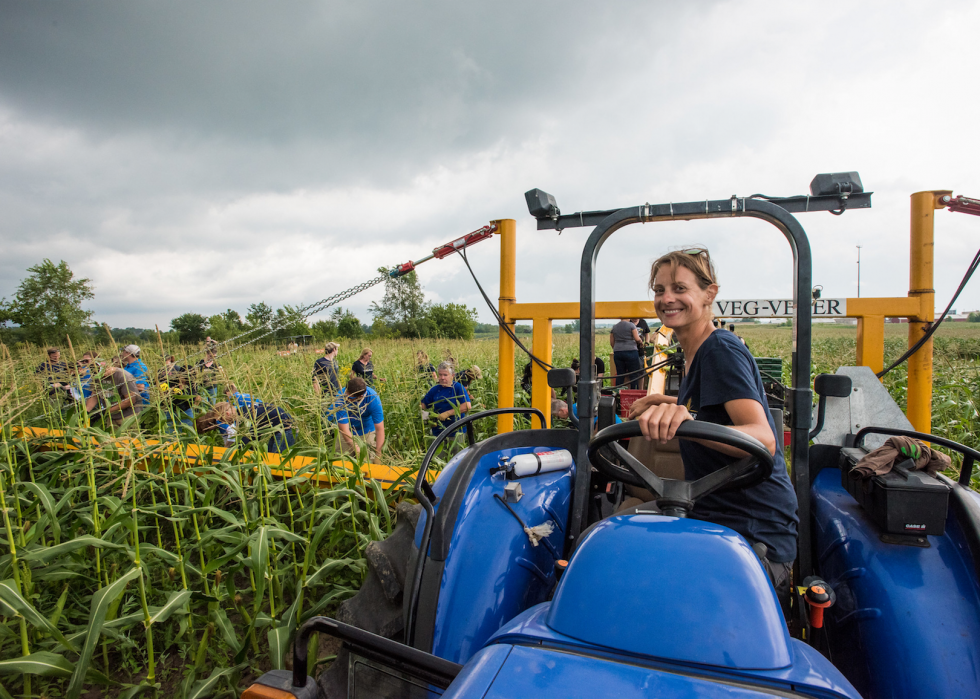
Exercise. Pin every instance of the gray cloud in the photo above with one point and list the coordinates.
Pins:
(197, 157)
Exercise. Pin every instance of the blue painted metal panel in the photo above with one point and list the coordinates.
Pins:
(907, 619)
(542, 672)
(493, 573)
(672, 588)
(478, 673)
(809, 673)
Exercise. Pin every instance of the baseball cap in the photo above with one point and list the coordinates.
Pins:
(131, 349)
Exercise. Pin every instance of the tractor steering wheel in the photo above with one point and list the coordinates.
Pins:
(676, 498)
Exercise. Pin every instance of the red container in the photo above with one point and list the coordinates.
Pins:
(627, 397)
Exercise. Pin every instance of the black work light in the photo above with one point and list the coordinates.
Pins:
(541, 204)
(836, 184)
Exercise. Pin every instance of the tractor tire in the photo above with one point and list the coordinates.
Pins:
(377, 607)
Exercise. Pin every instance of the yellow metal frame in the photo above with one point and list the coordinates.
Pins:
(918, 307)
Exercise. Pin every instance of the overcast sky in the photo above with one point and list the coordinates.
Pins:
(204, 156)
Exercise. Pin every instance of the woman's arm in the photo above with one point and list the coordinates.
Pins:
(660, 423)
(636, 335)
(612, 340)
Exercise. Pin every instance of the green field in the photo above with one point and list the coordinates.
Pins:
(116, 581)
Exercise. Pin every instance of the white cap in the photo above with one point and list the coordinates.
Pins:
(131, 349)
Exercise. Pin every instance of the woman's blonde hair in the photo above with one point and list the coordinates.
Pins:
(421, 358)
(697, 259)
(330, 347)
(365, 351)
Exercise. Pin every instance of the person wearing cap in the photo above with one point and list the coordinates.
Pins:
(357, 411)
(131, 362)
(325, 378)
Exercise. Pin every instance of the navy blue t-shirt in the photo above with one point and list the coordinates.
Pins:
(724, 370)
(441, 399)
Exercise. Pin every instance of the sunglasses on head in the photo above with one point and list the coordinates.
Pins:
(695, 251)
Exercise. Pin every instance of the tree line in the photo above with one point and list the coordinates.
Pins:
(47, 308)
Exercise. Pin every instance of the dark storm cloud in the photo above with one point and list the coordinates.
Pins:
(206, 155)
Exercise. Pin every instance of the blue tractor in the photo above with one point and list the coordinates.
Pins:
(524, 580)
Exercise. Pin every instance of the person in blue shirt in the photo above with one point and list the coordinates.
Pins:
(131, 362)
(245, 402)
(721, 385)
(357, 411)
(448, 399)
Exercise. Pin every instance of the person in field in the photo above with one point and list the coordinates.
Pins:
(357, 412)
(207, 372)
(131, 362)
(363, 367)
(221, 418)
(721, 384)
(325, 378)
(623, 338)
(174, 382)
(448, 400)
(54, 373)
(468, 376)
(424, 367)
(117, 395)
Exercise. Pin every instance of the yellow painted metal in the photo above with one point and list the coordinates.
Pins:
(508, 295)
(888, 307)
(871, 342)
(570, 311)
(921, 250)
(541, 347)
(182, 456)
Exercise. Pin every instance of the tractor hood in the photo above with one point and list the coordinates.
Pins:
(675, 589)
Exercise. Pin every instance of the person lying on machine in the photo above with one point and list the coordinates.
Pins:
(721, 384)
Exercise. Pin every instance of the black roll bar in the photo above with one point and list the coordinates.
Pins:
(799, 399)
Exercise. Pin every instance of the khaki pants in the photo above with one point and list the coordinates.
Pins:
(371, 439)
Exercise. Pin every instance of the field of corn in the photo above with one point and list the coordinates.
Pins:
(123, 576)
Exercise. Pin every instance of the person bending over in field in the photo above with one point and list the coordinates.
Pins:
(468, 376)
(116, 382)
(448, 400)
(357, 411)
(221, 418)
(178, 393)
(245, 402)
(207, 372)
(325, 377)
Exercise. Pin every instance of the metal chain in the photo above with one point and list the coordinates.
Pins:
(303, 313)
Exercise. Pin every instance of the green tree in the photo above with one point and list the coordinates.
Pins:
(453, 320)
(232, 320)
(259, 315)
(403, 311)
(324, 330)
(190, 327)
(289, 323)
(218, 328)
(48, 304)
(974, 317)
(348, 326)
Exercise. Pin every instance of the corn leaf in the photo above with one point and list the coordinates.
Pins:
(44, 495)
(100, 606)
(175, 602)
(205, 688)
(50, 553)
(13, 600)
(40, 663)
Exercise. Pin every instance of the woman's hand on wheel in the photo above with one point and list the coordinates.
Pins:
(660, 422)
(640, 405)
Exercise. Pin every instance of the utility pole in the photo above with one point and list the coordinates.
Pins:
(859, 270)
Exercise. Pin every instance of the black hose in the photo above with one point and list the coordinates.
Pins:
(935, 325)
